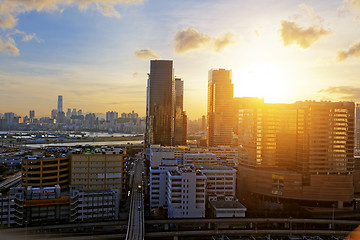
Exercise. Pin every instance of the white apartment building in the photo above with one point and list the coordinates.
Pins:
(183, 190)
(220, 180)
(200, 158)
(158, 183)
(225, 155)
(186, 193)
(157, 153)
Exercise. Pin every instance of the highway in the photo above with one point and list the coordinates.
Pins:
(11, 181)
(136, 223)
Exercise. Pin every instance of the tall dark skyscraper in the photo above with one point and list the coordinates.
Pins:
(60, 103)
(160, 103)
(220, 112)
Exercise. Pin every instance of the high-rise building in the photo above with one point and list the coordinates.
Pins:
(180, 116)
(32, 114)
(301, 151)
(111, 116)
(220, 112)
(54, 113)
(160, 103)
(357, 126)
(60, 103)
(68, 113)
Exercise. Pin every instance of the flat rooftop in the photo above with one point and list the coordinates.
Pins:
(222, 204)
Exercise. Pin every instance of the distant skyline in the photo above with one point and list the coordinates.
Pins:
(96, 53)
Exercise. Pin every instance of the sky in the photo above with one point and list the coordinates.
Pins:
(96, 53)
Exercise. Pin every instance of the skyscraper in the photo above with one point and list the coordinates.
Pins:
(60, 103)
(32, 114)
(180, 117)
(160, 103)
(312, 142)
(220, 98)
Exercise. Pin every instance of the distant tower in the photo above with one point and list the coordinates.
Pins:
(68, 113)
(32, 114)
(60, 104)
(220, 99)
(160, 103)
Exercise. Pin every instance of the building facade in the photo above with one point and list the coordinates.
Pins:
(301, 152)
(100, 171)
(220, 109)
(186, 193)
(160, 107)
(86, 206)
(180, 130)
(41, 172)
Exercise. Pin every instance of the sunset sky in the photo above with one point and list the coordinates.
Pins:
(95, 53)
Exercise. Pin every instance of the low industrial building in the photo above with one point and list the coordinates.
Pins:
(226, 207)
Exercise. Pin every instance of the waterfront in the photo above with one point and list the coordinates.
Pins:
(84, 143)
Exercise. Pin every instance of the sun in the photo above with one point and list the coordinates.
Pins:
(261, 80)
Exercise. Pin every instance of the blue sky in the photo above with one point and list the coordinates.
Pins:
(281, 50)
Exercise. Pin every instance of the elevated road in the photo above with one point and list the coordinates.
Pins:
(136, 223)
(13, 180)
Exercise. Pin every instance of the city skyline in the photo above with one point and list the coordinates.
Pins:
(296, 50)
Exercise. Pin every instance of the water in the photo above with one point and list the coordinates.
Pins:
(72, 144)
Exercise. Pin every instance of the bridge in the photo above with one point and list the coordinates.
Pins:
(13, 180)
(206, 228)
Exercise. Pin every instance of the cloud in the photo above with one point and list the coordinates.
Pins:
(191, 39)
(9, 46)
(108, 10)
(348, 92)
(7, 21)
(349, 5)
(353, 51)
(25, 37)
(146, 54)
(310, 12)
(135, 74)
(11, 9)
(221, 42)
(292, 33)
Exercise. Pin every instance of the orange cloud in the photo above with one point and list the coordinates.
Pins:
(353, 51)
(146, 54)
(292, 33)
(348, 93)
(191, 39)
(221, 42)
(9, 46)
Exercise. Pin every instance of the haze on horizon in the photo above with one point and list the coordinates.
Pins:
(96, 53)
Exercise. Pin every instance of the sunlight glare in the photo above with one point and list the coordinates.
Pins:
(261, 80)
